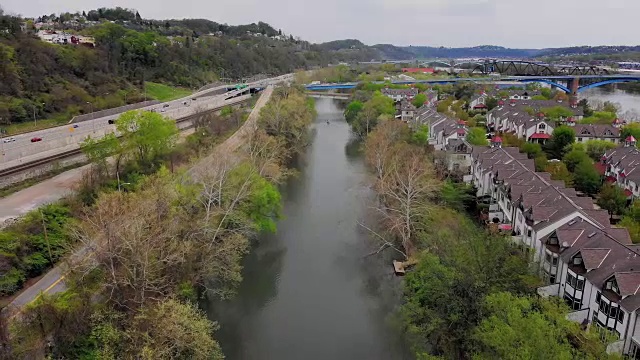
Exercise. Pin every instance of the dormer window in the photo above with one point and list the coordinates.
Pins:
(542, 126)
(612, 285)
(553, 239)
(585, 132)
(577, 260)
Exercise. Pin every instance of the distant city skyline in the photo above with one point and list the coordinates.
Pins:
(449, 23)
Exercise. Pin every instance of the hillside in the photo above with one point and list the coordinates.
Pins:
(45, 80)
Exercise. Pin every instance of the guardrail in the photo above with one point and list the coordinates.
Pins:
(65, 154)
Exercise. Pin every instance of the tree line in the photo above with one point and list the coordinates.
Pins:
(160, 246)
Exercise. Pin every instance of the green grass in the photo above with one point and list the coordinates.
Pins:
(163, 92)
(20, 128)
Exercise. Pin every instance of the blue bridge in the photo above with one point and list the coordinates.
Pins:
(558, 81)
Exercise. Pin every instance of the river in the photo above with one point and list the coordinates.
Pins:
(629, 103)
(308, 291)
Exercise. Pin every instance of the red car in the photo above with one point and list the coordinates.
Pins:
(36, 139)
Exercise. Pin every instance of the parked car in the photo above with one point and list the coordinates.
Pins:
(8, 140)
(36, 139)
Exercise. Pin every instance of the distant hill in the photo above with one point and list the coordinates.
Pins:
(476, 51)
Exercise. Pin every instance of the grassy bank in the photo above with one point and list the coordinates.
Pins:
(162, 92)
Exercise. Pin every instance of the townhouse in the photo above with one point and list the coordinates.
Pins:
(400, 94)
(622, 167)
(586, 132)
(593, 266)
(442, 128)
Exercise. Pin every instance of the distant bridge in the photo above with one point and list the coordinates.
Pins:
(520, 68)
(558, 81)
(328, 95)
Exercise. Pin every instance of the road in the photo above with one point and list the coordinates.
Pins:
(61, 185)
(19, 149)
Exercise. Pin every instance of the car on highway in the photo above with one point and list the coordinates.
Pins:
(75, 126)
(111, 121)
(36, 139)
(8, 140)
(165, 106)
(163, 110)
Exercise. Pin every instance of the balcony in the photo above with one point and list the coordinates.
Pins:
(580, 316)
(550, 290)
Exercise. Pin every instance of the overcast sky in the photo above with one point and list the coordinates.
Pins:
(510, 23)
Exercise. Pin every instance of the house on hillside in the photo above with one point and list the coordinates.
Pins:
(400, 94)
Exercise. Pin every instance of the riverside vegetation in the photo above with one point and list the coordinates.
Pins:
(163, 243)
(471, 294)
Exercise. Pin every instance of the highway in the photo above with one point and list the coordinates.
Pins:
(50, 190)
(20, 149)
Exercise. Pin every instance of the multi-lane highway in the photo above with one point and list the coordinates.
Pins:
(24, 148)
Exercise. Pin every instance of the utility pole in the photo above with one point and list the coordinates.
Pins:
(46, 237)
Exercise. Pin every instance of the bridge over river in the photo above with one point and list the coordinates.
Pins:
(571, 84)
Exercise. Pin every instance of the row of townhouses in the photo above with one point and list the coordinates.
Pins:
(583, 259)
(622, 167)
(518, 118)
(446, 134)
(478, 102)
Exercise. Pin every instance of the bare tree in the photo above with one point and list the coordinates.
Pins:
(405, 189)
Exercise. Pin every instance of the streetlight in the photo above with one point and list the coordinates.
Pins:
(35, 122)
(93, 123)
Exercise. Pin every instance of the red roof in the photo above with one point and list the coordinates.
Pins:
(616, 121)
(540, 136)
(611, 179)
(461, 132)
(627, 192)
(496, 139)
(480, 106)
(461, 122)
(630, 138)
(600, 167)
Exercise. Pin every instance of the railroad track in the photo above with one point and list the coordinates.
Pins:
(69, 153)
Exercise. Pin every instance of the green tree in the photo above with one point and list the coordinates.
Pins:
(557, 112)
(612, 198)
(561, 137)
(491, 102)
(352, 110)
(421, 136)
(559, 171)
(172, 330)
(632, 129)
(146, 135)
(477, 136)
(536, 327)
(547, 93)
(631, 221)
(574, 157)
(419, 100)
(586, 178)
(599, 117)
(596, 148)
(531, 149)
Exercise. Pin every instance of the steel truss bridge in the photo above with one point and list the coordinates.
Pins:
(520, 68)
(569, 83)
